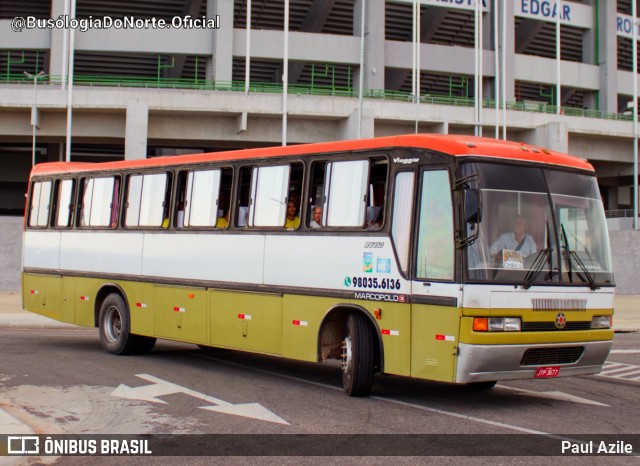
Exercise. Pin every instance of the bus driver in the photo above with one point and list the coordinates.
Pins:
(516, 240)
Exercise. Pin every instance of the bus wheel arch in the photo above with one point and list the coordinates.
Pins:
(335, 337)
(102, 294)
(114, 324)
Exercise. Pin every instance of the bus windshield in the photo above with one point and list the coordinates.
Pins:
(538, 226)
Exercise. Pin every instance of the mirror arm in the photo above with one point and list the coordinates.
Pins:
(469, 240)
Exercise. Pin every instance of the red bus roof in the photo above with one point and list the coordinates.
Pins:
(455, 145)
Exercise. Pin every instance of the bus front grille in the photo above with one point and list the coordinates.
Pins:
(551, 326)
(543, 356)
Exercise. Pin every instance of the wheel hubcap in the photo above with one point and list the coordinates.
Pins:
(346, 354)
(113, 324)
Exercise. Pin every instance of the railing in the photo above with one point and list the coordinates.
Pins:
(302, 89)
(620, 213)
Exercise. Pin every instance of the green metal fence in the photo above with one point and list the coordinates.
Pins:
(298, 89)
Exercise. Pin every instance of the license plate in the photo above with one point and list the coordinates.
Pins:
(547, 372)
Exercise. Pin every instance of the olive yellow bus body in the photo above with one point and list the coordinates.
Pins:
(396, 255)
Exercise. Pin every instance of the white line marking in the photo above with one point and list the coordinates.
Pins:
(390, 400)
(632, 372)
(616, 370)
(625, 351)
(554, 395)
(161, 387)
(401, 403)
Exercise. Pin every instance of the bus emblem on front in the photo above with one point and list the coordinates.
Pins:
(561, 321)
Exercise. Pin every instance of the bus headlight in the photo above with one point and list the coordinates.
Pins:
(497, 324)
(601, 322)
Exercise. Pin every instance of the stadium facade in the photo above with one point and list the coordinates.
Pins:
(167, 77)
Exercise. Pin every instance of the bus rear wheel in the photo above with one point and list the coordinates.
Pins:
(357, 356)
(114, 326)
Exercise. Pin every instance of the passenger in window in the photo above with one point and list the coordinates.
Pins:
(517, 240)
(316, 222)
(180, 216)
(223, 221)
(374, 218)
(293, 221)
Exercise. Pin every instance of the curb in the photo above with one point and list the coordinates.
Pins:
(626, 330)
(18, 321)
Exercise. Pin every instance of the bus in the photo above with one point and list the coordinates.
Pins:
(441, 257)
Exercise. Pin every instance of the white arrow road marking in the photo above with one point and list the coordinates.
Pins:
(161, 387)
(9, 425)
(554, 395)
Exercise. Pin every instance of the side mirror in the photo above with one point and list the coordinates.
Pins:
(472, 206)
(472, 216)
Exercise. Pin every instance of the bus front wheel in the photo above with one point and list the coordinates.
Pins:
(114, 327)
(357, 356)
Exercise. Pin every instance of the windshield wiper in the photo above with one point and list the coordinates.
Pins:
(544, 255)
(569, 254)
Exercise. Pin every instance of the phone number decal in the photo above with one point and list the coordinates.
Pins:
(372, 283)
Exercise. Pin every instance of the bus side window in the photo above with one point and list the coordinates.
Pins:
(40, 204)
(203, 189)
(97, 201)
(224, 199)
(376, 195)
(316, 194)
(148, 200)
(243, 198)
(294, 197)
(269, 187)
(115, 204)
(435, 251)
(64, 203)
(403, 217)
(181, 198)
(345, 193)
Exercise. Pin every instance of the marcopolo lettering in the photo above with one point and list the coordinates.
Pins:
(545, 9)
(380, 297)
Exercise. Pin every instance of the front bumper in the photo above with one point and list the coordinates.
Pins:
(480, 363)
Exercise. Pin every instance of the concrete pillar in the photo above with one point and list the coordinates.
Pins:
(55, 54)
(510, 48)
(348, 128)
(608, 56)
(220, 64)
(554, 136)
(137, 123)
(374, 43)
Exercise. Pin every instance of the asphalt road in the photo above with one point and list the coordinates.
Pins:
(60, 381)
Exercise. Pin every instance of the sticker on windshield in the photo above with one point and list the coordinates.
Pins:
(512, 259)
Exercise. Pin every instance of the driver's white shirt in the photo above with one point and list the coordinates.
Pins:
(508, 241)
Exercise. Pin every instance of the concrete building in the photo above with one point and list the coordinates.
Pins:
(210, 83)
(145, 91)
